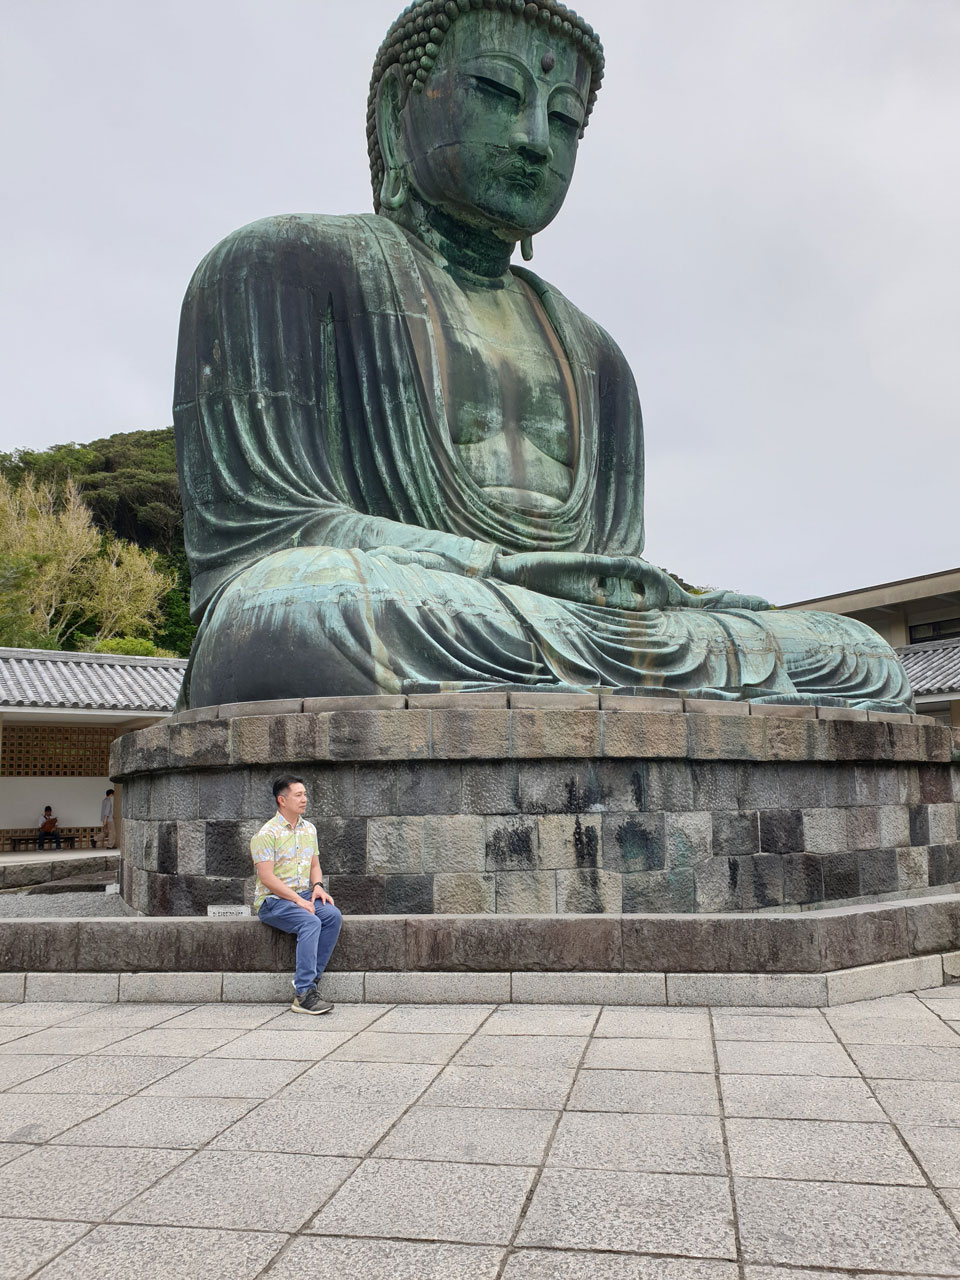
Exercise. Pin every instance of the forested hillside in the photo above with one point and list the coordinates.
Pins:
(129, 483)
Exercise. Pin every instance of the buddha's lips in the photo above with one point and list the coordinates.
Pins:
(523, 175)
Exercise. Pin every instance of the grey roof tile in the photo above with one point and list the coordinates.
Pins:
(933, 667)
(88, 681)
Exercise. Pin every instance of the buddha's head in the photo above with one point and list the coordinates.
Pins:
(477, 108)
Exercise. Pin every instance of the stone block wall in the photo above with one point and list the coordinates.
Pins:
(548, 804)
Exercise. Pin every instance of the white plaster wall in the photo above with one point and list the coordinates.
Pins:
(75, 801)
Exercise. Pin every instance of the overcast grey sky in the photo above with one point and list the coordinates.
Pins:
(765, 215)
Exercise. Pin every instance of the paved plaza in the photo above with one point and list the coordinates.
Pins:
(466, 1142)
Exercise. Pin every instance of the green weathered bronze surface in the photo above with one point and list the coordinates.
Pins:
(406, 464)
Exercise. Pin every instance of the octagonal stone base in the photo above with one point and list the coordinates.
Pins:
(546, 803)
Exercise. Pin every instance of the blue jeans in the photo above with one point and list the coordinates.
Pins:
(316, 934)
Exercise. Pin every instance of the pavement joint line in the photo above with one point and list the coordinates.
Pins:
(548, 1147)
(727, 1161)
(952, 1214)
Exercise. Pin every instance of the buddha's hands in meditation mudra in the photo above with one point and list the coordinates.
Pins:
(610, 582)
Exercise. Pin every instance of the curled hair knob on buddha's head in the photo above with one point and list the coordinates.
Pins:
(413, 43)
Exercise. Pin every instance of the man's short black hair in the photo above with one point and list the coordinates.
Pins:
(47, 809)
(110, 791)
(284, 782)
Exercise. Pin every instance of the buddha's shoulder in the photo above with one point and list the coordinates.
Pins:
(290, 242)
(569, 316)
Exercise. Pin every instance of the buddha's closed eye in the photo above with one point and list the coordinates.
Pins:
(497, 89)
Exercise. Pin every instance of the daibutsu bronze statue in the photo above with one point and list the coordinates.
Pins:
(407, 464)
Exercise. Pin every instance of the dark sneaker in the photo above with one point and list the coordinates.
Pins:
(310, 1002)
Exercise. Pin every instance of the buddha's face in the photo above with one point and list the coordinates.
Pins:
(492, 139)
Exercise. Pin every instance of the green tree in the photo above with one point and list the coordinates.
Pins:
(129, 482)
(59, 575)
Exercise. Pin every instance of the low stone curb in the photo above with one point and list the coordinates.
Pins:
(21, 875)
(780, 990)
(701, 946)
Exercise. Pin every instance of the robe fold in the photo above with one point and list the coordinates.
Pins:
(338, 544)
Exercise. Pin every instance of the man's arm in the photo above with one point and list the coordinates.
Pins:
(272, 882)
(316, 877)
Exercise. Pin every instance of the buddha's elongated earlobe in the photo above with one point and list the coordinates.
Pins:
(526, 248)
(393, 192)
(390, 101)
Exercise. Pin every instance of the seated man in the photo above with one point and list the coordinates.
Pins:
(47, 828)
(407, 465)
(289, 893)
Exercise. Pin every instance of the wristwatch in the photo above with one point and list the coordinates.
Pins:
(318, 884)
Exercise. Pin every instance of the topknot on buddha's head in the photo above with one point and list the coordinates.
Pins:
(414, 40)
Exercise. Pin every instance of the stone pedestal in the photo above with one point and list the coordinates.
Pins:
(542, 803)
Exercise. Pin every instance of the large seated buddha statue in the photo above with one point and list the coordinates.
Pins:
(408, 465)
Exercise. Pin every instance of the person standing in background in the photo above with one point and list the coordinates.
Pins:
(109, 833)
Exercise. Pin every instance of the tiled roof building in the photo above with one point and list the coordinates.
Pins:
(934, 667)
(59, 712)
(38, 678)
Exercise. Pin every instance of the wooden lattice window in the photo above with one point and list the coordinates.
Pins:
(54, 751)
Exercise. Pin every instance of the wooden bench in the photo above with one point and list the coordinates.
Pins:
(14, 840)
(30, 842)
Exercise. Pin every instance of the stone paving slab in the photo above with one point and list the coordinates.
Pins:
(294, 1126)
(922, 1029)
(170, 1122)
(641, 1143)
(557, 1264)
(646, 1092)
(334, 1259)
(820, 1150)
(799, 1098)
(81, 1183)
(471, 1135)
(27, 1243)
(139, 1016)
(162, 1253)
(416, 1199)
(338, 1084)
(500, 1087)
(653, 1054)
(522, 1051)
(15, 1069)
(938, 1151)
(31, 1118)
(101, 1073)
(249, 1190)
(810, 1029)
(676, 1024)
(907, 1062)
(847, 1225)
(511, 1153)
(630, 1212)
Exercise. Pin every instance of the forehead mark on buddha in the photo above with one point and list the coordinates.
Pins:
(414, 41)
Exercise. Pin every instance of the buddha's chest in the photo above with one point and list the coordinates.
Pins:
(508, 391)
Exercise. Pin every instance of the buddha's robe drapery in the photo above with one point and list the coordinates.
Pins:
(316, 462)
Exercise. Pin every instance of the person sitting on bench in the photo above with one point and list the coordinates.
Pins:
(48, 828)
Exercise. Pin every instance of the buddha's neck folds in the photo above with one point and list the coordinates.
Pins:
(478, 254)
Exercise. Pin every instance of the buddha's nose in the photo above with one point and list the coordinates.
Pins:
(533, 141)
